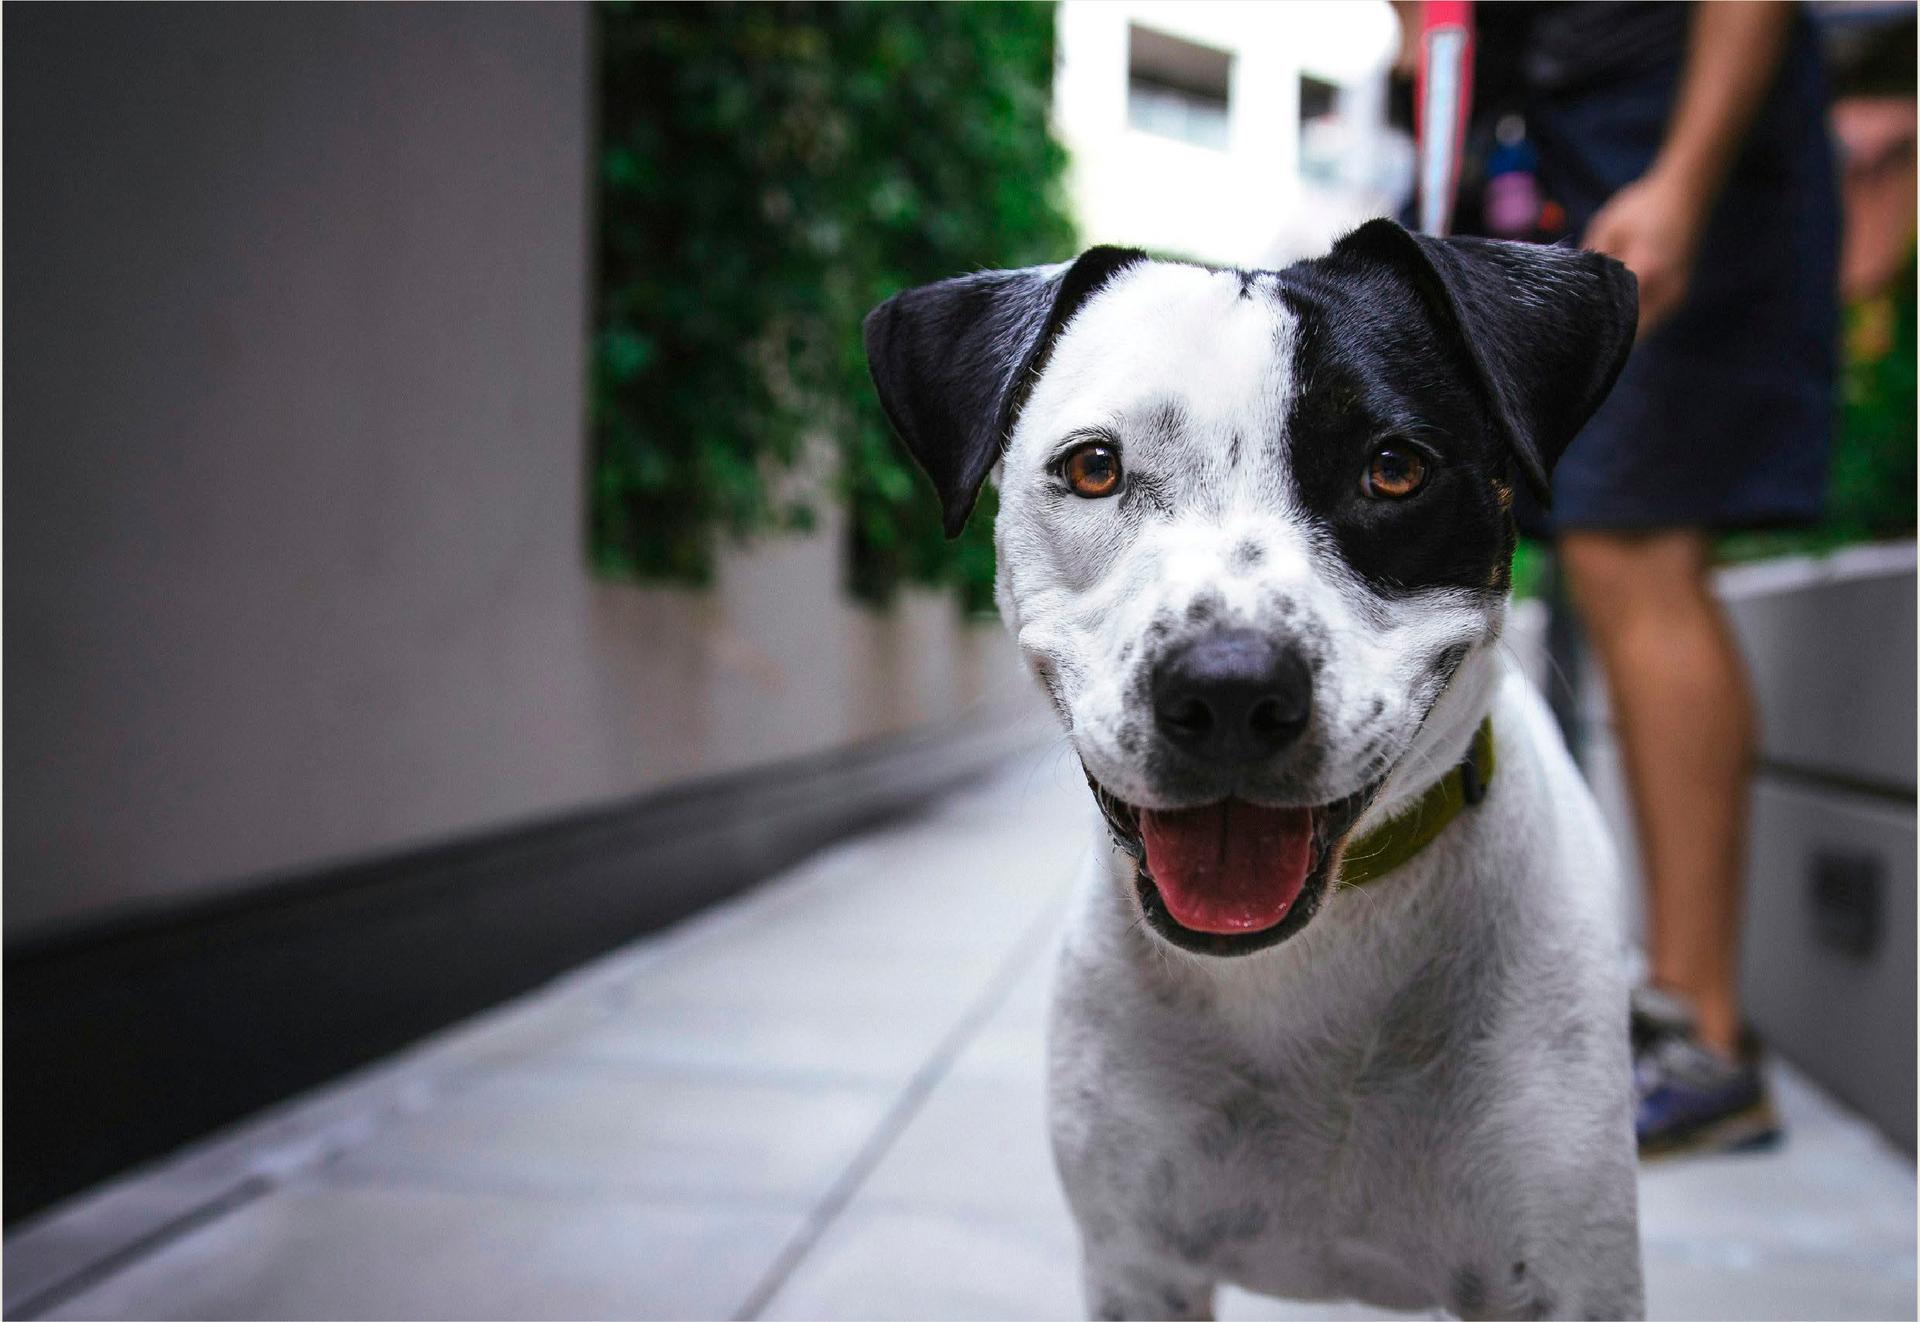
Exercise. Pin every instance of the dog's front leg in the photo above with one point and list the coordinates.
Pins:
(1132, 1291)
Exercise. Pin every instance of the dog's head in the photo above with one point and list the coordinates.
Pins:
(1252, 524)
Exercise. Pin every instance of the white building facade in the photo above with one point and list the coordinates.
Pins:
(1238, 132)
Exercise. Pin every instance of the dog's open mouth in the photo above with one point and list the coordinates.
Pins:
(1231, 877)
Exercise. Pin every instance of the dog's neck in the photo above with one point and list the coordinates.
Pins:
(1444, 739)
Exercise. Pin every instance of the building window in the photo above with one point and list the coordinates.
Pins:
(1177, 88)
(1322, 143)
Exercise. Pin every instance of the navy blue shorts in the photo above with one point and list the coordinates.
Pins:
(1722, 416)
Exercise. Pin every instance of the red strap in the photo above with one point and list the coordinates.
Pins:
(1442, 97)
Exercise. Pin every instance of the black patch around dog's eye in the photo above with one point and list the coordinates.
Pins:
(1395, 471)
(1377, 375)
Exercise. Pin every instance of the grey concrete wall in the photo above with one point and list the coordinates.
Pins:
(296, 309)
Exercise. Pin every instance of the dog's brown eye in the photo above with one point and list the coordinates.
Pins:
(1093, 470)
(1394, 472)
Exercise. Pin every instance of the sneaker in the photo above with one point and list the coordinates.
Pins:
(1687, 1098)
(1656, 1014)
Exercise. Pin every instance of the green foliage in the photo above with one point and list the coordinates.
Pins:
(1530, 568)
(768, 172)
(1872, 476)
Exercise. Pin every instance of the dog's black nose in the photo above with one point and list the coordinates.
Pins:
(1233, 695)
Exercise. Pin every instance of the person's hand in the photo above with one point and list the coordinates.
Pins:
(1653, 226)
(1406, 56)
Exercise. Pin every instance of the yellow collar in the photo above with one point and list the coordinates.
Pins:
(1394, 842)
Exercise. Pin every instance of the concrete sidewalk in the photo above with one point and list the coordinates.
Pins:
(820, 1101)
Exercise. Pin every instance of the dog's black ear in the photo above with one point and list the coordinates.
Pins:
(953, 361)
(1547, 329)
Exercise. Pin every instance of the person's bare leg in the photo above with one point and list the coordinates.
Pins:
(1686, 732)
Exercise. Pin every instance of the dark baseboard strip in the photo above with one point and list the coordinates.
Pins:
(127, 1039)
(1823, 779)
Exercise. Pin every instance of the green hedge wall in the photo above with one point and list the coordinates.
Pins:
(768, 172)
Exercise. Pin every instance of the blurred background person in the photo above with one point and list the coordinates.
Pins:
(1691, 143)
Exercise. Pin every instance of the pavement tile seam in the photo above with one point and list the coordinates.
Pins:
(499, 1187)
(247, 1161)
(1011, 1216)
(101, 1268)
(418, 1079)
(1031, 946)
(283, 1142)
(314, 1253)
(619, 1067)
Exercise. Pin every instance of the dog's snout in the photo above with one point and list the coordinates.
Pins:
(1232, 695)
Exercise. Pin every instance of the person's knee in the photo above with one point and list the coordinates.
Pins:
(1615, 576)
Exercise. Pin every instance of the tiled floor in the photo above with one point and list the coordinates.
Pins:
(822, 1101)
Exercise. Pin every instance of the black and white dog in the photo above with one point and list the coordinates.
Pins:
(1340, 1013)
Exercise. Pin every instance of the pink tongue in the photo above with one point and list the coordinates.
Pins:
(1229, 867)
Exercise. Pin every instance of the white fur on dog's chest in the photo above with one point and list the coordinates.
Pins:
(1363, 1114)
(1287, 1148)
